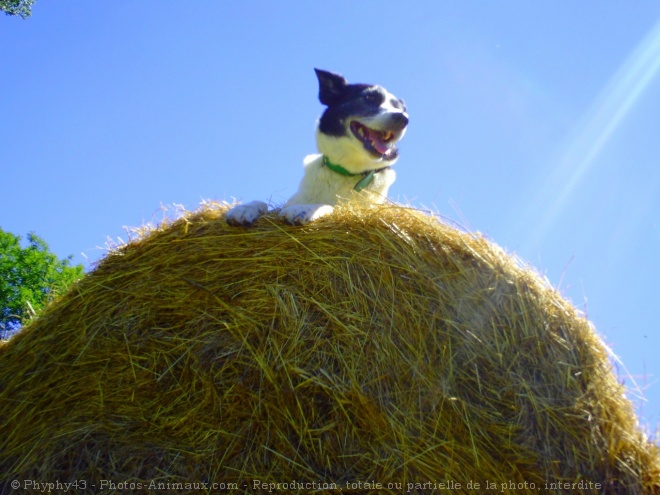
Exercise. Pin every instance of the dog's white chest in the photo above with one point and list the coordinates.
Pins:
(322, 185)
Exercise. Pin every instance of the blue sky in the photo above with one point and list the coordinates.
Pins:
(535, 123)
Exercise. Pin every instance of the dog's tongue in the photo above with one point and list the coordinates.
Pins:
(377, 139)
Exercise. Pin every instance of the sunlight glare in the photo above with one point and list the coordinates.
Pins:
(624, 90)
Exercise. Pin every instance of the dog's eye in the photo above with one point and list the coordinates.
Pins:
(374, 98)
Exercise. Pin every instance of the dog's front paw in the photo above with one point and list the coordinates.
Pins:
(302, 214)
(246, 214)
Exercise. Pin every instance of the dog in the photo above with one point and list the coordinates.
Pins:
(357, 137)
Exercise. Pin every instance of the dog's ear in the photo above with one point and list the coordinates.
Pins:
(331, 86)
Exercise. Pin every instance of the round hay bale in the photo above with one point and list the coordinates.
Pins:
(375, 351)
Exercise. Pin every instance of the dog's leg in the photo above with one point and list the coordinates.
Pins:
(246, 214)
(302, 214)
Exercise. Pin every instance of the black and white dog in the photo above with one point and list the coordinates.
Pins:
(356, 136)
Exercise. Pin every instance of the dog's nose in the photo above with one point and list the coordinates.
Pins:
(400, 120)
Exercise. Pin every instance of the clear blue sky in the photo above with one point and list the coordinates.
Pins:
(536, 123)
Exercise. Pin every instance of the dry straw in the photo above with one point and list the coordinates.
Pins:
(376, 346)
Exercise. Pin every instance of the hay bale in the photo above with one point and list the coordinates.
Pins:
(376, 346)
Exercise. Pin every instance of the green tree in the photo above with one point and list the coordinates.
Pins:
(17, 7)
(30, 277)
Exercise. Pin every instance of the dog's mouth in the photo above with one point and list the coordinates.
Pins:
(379, 143)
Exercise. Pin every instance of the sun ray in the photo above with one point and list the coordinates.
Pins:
(625, 89)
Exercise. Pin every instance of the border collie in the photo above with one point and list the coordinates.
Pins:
(356, 137)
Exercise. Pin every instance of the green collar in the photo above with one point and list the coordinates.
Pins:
(367, 177)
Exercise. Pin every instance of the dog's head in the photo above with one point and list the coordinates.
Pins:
(362, 124)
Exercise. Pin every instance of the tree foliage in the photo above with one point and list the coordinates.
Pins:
(22, 8)
(30, 277)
